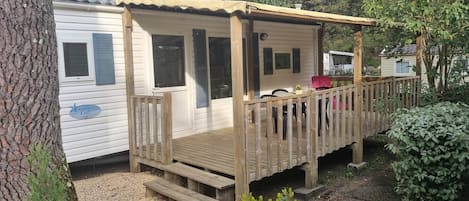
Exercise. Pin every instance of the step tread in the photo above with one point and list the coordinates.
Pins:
(207, 178)
(174, 191)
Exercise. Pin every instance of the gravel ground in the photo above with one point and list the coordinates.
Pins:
(110, 183)
(113, 186)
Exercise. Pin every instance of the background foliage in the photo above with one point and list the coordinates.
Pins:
(443, 24)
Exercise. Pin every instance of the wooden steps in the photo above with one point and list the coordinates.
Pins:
(183, 182)
(207, 178)
(173, 191)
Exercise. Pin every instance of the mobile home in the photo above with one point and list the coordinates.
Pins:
(91, 72)
(180, 84)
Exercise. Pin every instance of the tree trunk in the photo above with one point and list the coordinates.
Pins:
(29, 107)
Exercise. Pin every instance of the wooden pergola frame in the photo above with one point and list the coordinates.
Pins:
(236, 28)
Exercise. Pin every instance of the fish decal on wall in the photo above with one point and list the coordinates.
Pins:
(84, 111)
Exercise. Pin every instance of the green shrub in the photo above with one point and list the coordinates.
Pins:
(286, 195)
(459, 93)
(43, 182)
(429, 97)
(432, 146)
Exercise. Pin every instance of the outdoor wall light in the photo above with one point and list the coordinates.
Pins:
(264, 36)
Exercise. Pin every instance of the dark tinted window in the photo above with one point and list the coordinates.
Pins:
(220, 67)
(282, 61)
(76, 59)
(168, 59)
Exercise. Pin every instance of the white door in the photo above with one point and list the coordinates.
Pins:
(170, 67)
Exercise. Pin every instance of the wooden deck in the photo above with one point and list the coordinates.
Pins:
(214, 151)
(256, 151)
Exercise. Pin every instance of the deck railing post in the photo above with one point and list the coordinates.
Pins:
(129, 79)
(167, 130)
(241, 170)
(311, 168)
(357, 147)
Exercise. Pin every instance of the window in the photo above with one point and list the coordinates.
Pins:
(168, 60)
(402, 66)
(76, 59)
(282, 61)
(75, 53)
(220, 67)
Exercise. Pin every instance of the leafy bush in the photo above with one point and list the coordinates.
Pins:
(43, 182)
(286, 195)
(459, 93)
(455, 94)
(432, 145)
(428, 96)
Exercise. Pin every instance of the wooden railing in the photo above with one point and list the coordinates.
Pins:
(338, 81)
(324, 121)
(151, 132)
(334, 118)
(381, 98)
(273, 149)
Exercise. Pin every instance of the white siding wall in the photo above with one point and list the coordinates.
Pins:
(106, 133)
(282, 37)
(388, 67)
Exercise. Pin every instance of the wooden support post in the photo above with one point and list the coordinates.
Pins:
(167, 130)
(129, 80)
(321, 50)
(225, 194)
(357, 80)
(241, 170)
(311, 168)
(250, 58)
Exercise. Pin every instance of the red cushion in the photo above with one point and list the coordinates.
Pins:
(321, 81)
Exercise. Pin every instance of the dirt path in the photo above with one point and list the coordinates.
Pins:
(376, 186)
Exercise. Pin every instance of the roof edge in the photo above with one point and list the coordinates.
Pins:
(87, 7)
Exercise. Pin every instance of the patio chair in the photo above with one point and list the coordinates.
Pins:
(274, 112)
(284, 91)
(321, 83)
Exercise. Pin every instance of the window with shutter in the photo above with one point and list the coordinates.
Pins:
(75, 56)
(76, 59)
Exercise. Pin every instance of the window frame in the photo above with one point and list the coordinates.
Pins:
(210, 66)
(69, 37)
(396, 65)
(153, 61)
(275, 61)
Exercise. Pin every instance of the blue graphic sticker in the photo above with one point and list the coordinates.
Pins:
(84, 111)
